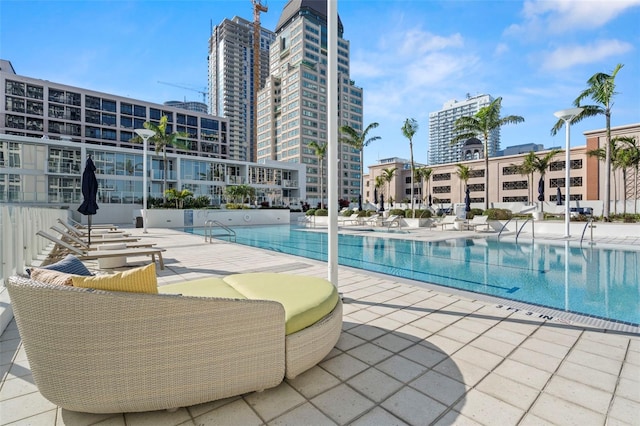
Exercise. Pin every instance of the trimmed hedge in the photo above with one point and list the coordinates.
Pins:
(498, 214)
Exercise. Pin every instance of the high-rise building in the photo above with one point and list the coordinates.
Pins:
(231, 85)
(292, 108)
(441, 132)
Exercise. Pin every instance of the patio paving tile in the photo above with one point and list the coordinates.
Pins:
(235, 413)
(278, 400)
(588, 376)
(313, 382)
(488, 410)
(509, 391)
(535, 359)
(440, 387)
(414, 407)
(562, 412)
(424, 355)
(598, 362)
(305, 414)
(377, 417)
(523, 373)
(401, 368)
(342, 404)
(587, 396)
(625, 410)
(344, 366)
(375, 384)
(370, 353)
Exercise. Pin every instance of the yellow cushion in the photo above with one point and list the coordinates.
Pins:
(306, 300)
(203, 287)
(138, 280)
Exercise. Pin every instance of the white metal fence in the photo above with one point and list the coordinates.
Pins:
(19, 244)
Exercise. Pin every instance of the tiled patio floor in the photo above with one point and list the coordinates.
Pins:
(408, 354)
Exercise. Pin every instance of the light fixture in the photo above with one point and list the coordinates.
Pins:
(145, 134)
(567, 115)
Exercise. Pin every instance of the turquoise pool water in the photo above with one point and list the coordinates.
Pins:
(592, 281)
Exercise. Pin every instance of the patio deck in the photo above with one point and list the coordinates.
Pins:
(409, 354)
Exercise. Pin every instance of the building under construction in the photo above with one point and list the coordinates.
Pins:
(236, 72)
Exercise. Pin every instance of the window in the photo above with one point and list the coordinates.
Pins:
(126, 108)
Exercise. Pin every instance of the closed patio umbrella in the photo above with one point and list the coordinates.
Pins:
(360, 202)
(430, 200)
(558, 196)
(541, 189)
(381, 202)
(467, 201)
(375, 195)
(89, 206)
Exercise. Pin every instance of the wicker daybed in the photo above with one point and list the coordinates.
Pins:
(111, 351)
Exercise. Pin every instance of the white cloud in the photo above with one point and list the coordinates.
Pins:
(501, 49)
(558, 16)
(568, 56)
(418, 42)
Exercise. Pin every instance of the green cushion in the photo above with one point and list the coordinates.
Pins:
(203, 287)
(305, 299)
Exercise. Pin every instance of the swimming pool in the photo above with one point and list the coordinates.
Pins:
(597, 282)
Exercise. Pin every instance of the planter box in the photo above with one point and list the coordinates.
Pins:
(174, 218)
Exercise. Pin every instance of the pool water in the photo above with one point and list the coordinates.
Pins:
(597, 282)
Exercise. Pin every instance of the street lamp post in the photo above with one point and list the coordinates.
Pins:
(567, 115)
(145, 134)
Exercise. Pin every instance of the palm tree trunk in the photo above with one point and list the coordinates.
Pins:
(486, 173)
(624, 195)
(321, 184)
(412, 172)
(164, 177)
(607, 169)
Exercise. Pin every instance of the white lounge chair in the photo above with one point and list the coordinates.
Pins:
(83, 254)
(391, 221)
(354, 219)
(373, 220)
(446, 221)
(130, 242)
(477, 222)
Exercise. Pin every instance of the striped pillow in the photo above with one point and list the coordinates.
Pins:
(69, 265)
(138, 280)
(51, 277)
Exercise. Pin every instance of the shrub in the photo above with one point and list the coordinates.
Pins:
(347, 213)
(475, 212)
(422, 214)
(365, 213)
(498, 214)
(398, 212)
(322, 212)
(310, 212)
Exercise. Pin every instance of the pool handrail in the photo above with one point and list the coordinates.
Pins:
(208, 231)
(589, 222)
(533, 233)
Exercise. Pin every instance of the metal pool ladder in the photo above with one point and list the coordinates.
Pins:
(210, 225)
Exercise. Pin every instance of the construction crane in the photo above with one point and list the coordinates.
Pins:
(202, 92)
(257, 8)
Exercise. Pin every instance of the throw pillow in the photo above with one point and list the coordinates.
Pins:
(51, 277)
(69, 265)
(137, 280)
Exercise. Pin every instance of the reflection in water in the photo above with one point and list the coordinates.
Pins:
(597, 282)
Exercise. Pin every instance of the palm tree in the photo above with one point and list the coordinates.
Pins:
(409, 129)
(464, 173)
(358, 140)
(483, 123)
(623, 156)
(161, 140)
(526, 168)
(321, 152)
(541, 165)
(601, 89)
(387, 175)
(424, 173)
(178, 196)
(633, 151)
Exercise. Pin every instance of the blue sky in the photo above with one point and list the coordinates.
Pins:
(409, 56)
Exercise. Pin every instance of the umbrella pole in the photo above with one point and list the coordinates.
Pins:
(89, 226)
